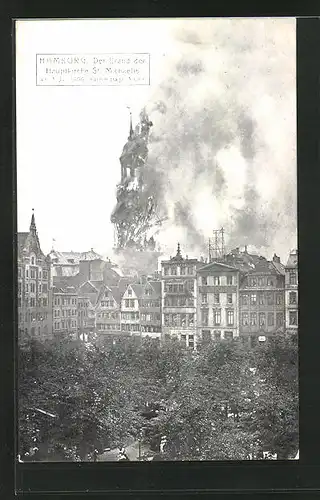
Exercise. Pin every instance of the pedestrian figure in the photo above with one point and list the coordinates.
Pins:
(95, 455)
(122, 455)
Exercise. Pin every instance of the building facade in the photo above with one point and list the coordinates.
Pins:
(150, 310)
(33, 293)
(130, 310)
(218, 302)
(108, 315)
(65, 311)
(179, 299)
(291, 292)
(262, 304)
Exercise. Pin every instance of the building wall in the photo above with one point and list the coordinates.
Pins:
(34, 307)
(291, 298)
(108, 316)
(262, 304)
(218, 309)
(179, 300)
(130, 312)
(65, 312)
(150, 312)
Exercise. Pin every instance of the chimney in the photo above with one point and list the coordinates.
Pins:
(275, 258)
(246, 249)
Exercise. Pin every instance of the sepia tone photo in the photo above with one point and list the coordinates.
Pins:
(157, 261)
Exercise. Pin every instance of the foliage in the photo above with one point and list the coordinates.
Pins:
(221, 402)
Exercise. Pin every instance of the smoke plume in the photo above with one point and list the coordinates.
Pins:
(222, 150)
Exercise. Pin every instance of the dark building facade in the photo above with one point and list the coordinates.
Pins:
(261, 300)
(34, 290)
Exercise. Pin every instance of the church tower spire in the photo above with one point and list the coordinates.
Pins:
(33, 227)
(131, 128)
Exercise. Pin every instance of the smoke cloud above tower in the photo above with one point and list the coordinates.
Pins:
(222, 150)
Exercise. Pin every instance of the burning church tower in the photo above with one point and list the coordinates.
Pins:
(135, 217)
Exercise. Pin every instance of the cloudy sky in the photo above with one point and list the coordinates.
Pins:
(223, 145)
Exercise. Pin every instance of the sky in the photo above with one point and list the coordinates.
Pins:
(222, 99)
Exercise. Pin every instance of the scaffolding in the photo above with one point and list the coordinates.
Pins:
(216, 245)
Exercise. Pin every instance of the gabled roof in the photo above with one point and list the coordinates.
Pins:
(138, 290)
(91, 286)
(156, 285)
(116, 294)
(216, 266)
(21, 241)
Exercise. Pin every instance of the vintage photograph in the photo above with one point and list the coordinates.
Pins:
(157, 261)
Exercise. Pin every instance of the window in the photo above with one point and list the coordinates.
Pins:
(292, 298)
(270, 299)
(261, 282)
(183, 339)
(166, 319)
(183, 319)
(180, 287)
(27, 288)
(216, 298)
(204, 298)
(32, 287)
(129, 292)
(228, 335)
(252, 281)
(19, 272)
(293, 318)
(166, 271)
(190, 302)
(44, 287)
(279, 319)
(217, 316)
(253, 319)
(27, 272)
(278, 299)
(191, 319)
(262, 299)
(32, 261)
(132, 302)
(229, 298)
(39, 287)
(245, 319)
(190, 270)
(45, 275)
(148, 291)
(217, 335)
(45, 302)
(190, 285)
(292, 277)
(270, 282)
(174, 270)
(216, 280)
(32, 302)
(245, 300)
(230, 318)
(204, 280)
(127, 303)
(206, 335)
(183, 270)
(270, 319)
(229, 279)
(204, 317)
(32, 273)
(262, 319)
(253, 299)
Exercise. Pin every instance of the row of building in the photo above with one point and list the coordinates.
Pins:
(240, 294)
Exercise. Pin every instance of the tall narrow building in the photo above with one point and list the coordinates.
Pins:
(179, 299)
(291, 291)
(34, 294)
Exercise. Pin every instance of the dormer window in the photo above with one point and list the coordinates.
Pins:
(129, 292)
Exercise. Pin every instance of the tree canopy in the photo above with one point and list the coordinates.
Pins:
(221, 402)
